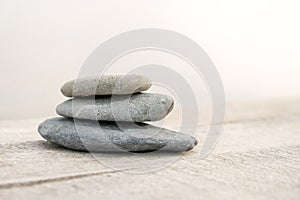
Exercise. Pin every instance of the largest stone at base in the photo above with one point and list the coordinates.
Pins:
(99, 136)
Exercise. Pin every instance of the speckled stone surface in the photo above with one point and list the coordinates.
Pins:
(106, 85)
(127, 136)
(139, 107)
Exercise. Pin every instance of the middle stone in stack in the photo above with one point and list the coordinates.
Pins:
(116, 104)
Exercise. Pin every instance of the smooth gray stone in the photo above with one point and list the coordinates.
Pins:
(106, 85)
(138, 108)
(128, 136)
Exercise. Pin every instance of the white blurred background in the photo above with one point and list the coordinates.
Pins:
(255, 44)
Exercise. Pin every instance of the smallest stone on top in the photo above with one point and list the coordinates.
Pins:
(109, 113)
(106, 85)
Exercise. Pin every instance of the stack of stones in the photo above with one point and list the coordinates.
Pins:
(106, 114)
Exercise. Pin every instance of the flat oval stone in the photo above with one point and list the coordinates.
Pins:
(139, 107)
(100, 136)
(106, 85)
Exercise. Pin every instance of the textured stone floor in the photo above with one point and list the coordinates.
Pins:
(257, 157)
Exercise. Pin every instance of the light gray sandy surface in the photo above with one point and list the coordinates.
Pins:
(257, 157)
